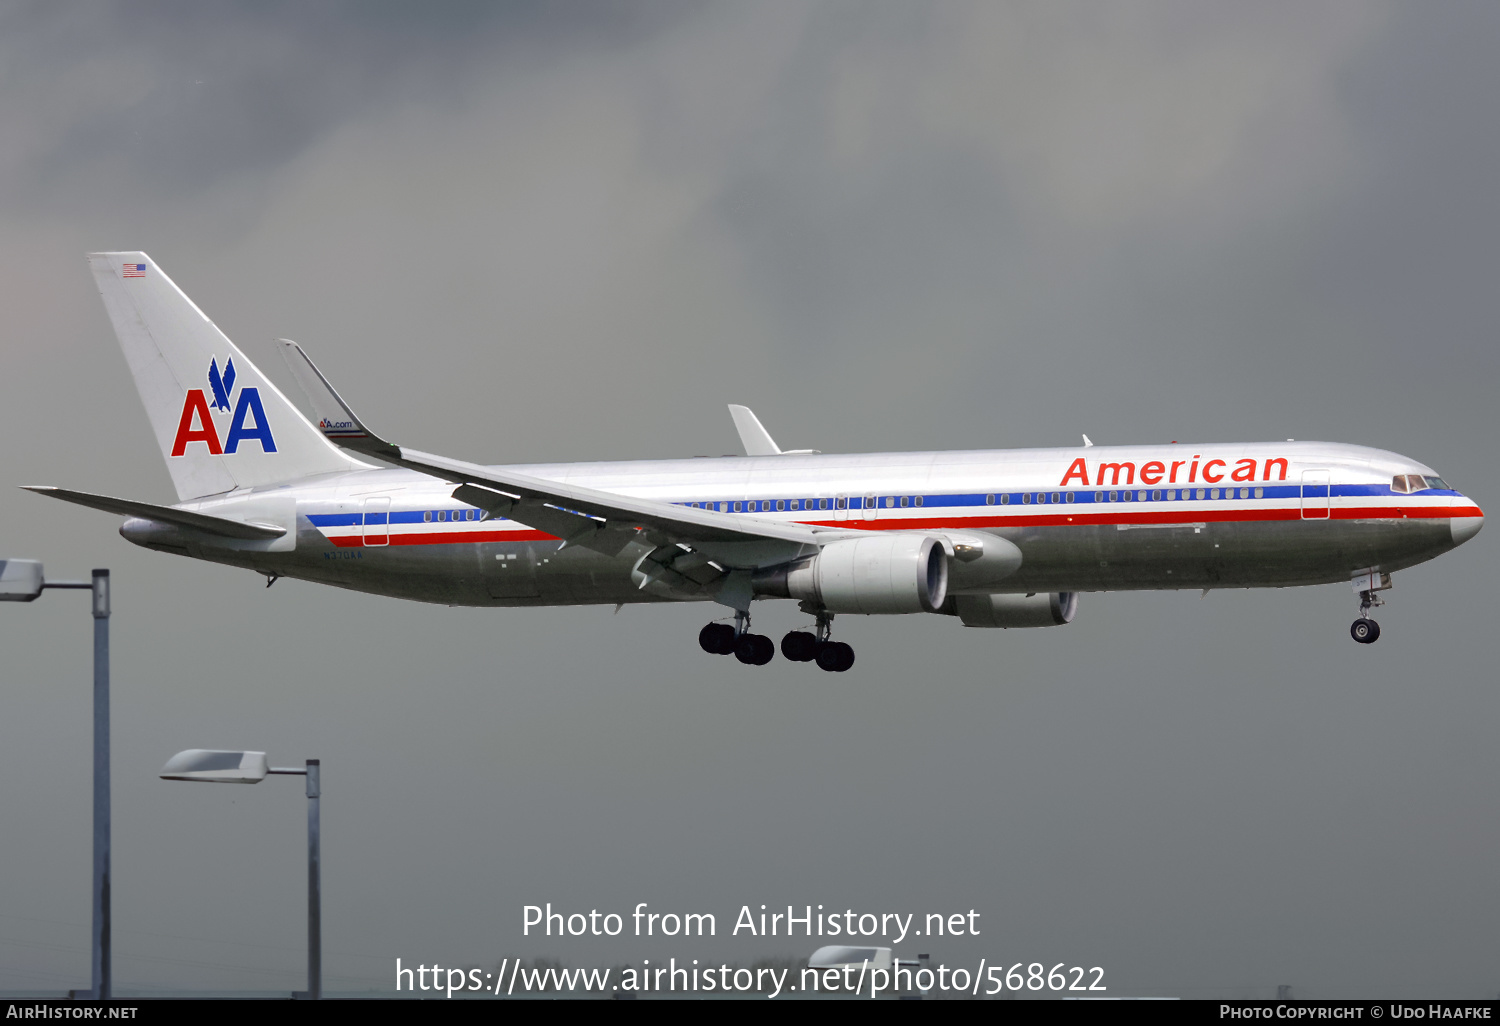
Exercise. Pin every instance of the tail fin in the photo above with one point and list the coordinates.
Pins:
(220, 422)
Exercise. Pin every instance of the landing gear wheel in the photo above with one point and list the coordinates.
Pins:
(835, 656)
(1364, 630)
(717, 639)
(754, 649)
(800, 646)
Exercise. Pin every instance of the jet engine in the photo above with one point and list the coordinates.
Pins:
(1045, 609)
(886, 572)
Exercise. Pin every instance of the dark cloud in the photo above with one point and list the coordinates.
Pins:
(516, 232)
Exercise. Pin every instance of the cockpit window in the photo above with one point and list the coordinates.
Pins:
(1407, 483)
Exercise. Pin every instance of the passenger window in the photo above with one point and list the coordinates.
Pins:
(1098, 496)
(906, 500)
(1171, 493)
(1005, 499)
(1072, 496)
(1260, 493)
(427, 516)
(989, 500)
(1156, 496)
(840, 503)
(1056, 497)
(822, 503)
(1244, 493)
(1114, 496)
(723, 507)
(794, 503)
(890, 500)
(1213, 493)
(780, 505)
(1202, 494)
(1025, 498)
(919, 500)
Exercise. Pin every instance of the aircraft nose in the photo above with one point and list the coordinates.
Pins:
(1464, 528)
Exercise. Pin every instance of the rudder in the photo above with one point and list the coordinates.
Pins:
(221, 424)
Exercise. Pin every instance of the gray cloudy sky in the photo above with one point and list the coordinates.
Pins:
(555, 232)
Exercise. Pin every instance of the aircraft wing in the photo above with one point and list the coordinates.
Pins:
(590, 517)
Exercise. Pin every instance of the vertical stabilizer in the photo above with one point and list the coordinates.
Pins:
(220, 422)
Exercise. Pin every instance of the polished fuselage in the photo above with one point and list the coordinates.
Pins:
(1087, 519)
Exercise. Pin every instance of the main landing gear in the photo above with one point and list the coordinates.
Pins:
(750, 649)
(797, 646)
(816, 647)
(808, 647)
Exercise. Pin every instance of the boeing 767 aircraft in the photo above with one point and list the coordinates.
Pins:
(994, 538)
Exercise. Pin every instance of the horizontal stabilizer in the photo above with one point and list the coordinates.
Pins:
(162, 514)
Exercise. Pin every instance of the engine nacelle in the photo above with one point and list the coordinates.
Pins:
(885, 572)
(1046, 609)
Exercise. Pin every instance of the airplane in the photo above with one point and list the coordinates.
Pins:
(993, 538)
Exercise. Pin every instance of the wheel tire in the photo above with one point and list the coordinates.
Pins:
(828, 656)
(717, 639)
(746, 649)
(799, 646)
(1364, 630)
(846, 656)
(765, 650)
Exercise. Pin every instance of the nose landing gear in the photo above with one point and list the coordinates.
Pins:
(1368, 583)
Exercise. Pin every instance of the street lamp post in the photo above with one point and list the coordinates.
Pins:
(225, 767)
(21, 580)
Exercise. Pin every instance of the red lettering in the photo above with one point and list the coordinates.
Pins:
(1079, 469)
(1213, 480)
(1178, 463)
(1244, 470)
(1267, 474)
(1129, 469)
(1151, 473)
(196, 407)
(1193, 470)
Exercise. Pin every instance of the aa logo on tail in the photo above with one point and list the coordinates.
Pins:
(248, 421)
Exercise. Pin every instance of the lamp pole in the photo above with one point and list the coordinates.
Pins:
(22, 580)
(314, 873)
(99, 941)
(101, 925)
(229, 767)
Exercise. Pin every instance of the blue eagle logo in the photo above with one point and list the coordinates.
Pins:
(223, 386)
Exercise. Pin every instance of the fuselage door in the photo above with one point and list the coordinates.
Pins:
(1316, 487)
(377, 517)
